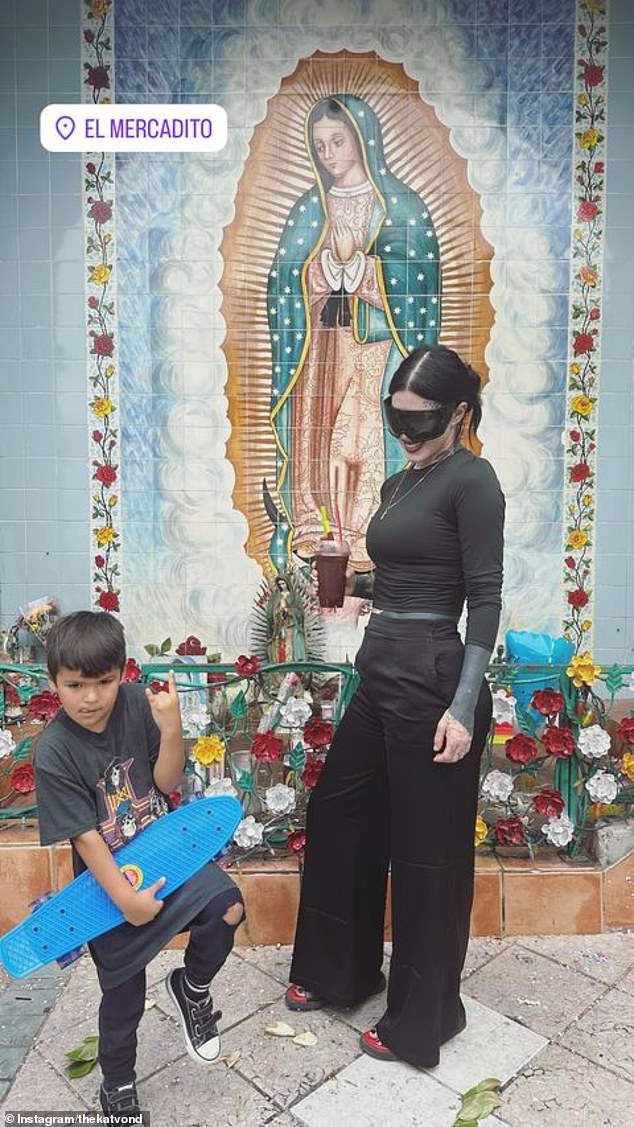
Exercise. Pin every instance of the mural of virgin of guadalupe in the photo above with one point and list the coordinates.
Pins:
(354, 286)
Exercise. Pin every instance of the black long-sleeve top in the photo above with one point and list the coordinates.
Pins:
(442, 542)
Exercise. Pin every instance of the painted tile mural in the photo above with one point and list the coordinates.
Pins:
(467, 188)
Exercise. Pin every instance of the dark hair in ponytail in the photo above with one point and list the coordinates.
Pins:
(437, 373)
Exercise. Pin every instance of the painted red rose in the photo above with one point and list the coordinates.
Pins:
(100, 561)
(318, 733)
(626, 729)
(584, 342)
(599, 166)
(577, 599)
(587, 211)
(93, 303)
(267, 747)
(97, 436)
(547, 701)
(593, 75)
(43, 706)
(521, 749)
(558, 742)
(509, 831)
(97, 77)
(575, 435)
(580, 472)
(191, 645)
(570, 561)
(89, 36)
(159, 687)
(549, 803)
(131, 671)
(595, 314)
(23, 779)
(107, 475)
(247, 666)
(103, 344)
(90, 167)
(101, 211)
(296, 842)
(312, 771)
(108, 600)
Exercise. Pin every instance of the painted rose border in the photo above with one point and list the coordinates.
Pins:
(585, 320)
(101, 325)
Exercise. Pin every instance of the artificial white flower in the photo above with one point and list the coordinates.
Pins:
(296, 713)
(504, 708)
(249, 832)
(594, 741)
(497, 786)
(602, 787)
(7, 743)
(195, 719)
(559, 831)
(219, 787)
(280, 799)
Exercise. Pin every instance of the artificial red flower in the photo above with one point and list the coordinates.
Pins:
(318, 733)
(587, 211)
(44, 706)
(521, 749)
(267, 747)
(247, 666)
(97, 436)
(216, 678)
(93, 303)
(549, 803)
(577, 598)
(575, 435)
(108, 600)
(159, 686)
(90, 167)
(175, 798)
(100, 561)
(97, 77)
(570, 561)
(107, 475)
(23, 779)
(547, 701)
(583, 342)
(312, 771)
(599, 166)
(558, 742)
(593, 75)
(626, 729)
(103, 344)
(296, 842)
(580, 472)
(509, 831)
(131, 671)
(191, 645)
(100, 211)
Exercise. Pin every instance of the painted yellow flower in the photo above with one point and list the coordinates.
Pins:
(586, 625)
(101, 406)
(109, 372)
(595, 5)
(208, 750)
(107, 238)
(104, 536)
(587, 500)
(112, 501)
(582, 99)
(582, 671)
(481, 829)
(99, 8)
(581, 405)
(589, 139)
(578, 233)
(577, 539)
(100, 274)
(575, 369)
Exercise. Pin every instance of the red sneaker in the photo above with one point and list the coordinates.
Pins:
(297, 998)
(372, 1044)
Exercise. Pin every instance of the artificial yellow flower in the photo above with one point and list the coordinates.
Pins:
(582, 671)
(99, 275)
(101, 406)
(589, 139)
(577, 539)
(627, 765)
(575, 368)
(109, 372)
(104, 536)
(586, 625)
(581, 405)
(208, 750)
(482, 830)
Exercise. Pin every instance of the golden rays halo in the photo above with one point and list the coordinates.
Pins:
(277, 171)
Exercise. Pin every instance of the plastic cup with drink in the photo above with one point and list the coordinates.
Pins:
(331, 562)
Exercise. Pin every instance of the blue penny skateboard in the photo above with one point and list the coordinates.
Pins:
(175, 846)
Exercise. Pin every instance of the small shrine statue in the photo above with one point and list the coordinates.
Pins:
(286, 625)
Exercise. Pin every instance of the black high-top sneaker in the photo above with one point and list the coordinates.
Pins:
(121, 1103)
(198, 1019)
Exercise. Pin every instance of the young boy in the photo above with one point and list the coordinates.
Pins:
(103, 767)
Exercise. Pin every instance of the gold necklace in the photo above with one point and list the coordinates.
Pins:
(395, 500)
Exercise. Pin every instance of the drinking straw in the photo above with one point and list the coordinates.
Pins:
(339, 524)
(325, 523)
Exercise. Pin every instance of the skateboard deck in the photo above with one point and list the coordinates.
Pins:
(175, 846)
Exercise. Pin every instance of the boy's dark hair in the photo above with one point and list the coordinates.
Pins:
(91, 641)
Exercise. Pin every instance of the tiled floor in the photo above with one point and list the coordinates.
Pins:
(552, 1018)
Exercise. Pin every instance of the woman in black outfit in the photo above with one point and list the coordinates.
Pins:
(400, 783)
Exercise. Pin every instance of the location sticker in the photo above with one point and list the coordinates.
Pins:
(129, 128)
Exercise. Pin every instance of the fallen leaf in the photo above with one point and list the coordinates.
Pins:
(149, 1003)
(279, 1029)
(230, 1058)
(306, 1039)
(528, 1002)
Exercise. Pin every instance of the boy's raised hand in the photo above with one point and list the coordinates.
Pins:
(166, 709)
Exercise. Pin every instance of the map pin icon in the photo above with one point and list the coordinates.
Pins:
(65, 126)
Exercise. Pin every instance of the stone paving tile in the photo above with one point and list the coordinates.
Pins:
(368, 1013)
(533, 990)
(605, 1033)
(239, 991)
(188, 1095)
(605, 957)
(286, 1119)
(275, 961)
(491, 1045)
(38, 1087)
(627, 983)
(159, 967)
(4, 1088)
(278, 1067)
(79, 998)
(481, 950)
(561, 1089)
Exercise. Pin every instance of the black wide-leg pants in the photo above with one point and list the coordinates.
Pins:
(381, 802)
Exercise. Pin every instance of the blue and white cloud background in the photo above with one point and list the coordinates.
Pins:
(500, 76)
